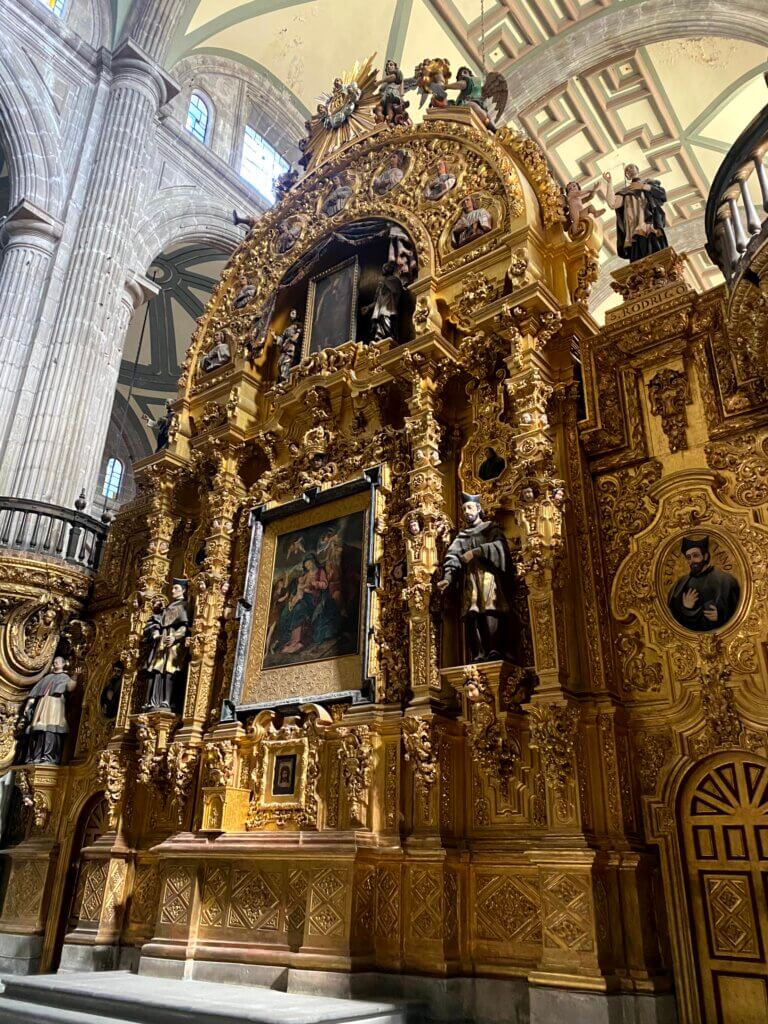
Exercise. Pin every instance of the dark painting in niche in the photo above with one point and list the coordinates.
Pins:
(316, 593)
(332, 308)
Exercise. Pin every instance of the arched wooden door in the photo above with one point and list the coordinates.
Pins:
(723, 815)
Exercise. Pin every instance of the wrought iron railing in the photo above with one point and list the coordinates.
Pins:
(42, 529)
(735, 227)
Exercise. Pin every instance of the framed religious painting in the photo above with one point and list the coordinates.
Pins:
(304, 629)
(332, 308)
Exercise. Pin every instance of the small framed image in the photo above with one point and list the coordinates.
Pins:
(284, 775)
(331, 308)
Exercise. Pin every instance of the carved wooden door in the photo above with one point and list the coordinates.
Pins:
(724, 821)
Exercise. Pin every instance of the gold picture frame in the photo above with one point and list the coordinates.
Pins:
(308, 676)
(322, 306)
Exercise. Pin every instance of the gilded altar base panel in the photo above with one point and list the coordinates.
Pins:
(576, 824)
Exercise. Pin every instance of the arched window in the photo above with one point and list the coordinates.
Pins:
(112, 479)
(198, 117)
(261, 163)
(55, 6)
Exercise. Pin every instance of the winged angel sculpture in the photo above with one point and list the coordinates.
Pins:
(487, 97)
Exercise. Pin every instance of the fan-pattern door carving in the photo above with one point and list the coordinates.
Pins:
(724, 815)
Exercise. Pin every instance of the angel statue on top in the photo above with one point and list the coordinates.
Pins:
(481, 95)
(391, 108)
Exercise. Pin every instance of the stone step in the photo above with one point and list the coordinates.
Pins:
(125, 998)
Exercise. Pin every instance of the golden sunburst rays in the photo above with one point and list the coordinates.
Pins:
(343, 113)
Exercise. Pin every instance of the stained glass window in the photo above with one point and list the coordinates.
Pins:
(261, 163)
(55, 6)
(112, 479)
(197, 117)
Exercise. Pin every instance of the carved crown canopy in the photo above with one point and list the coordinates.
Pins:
(484, 168)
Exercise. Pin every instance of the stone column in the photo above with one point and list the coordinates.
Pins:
(29, 237)
(62, 446)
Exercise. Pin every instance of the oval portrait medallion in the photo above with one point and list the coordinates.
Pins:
(702, 580)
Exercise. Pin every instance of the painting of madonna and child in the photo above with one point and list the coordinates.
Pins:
(315, 600)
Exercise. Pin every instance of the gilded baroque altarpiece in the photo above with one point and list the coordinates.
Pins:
(338, 788)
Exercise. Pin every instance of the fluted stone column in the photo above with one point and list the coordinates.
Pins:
(64, 439)
(28, 241)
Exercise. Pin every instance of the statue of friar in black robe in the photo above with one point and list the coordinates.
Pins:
(385, 308)
(479, 558)
(640, 218)
(46, 704)
(705, 598)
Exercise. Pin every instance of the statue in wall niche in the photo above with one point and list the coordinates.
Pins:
(288, 232)
(45, 710)
(576, 214)
(391, 176)
(441, 183)
(217, 355)
(640, 218)
(492, 465)
(385, 308)
(479, 560)
(109, 699)
(402, 254)
(287, 344)
(337, 198)
(166, 631)
(162, 425)
(391, 108)
(705, 597)
(244, 294)
(474, 222)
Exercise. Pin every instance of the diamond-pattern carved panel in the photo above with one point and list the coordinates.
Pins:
(730, 906)
(25, 890)
(507, 909)
(255, 902)
(387, 902)
(426, 904)
(567, 915)
(93, 877)
(177, 897)
(296, 908)
(215, 885)
(144, 897)
(327, 902)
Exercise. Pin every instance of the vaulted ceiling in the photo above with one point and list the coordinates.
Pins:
(673, 106)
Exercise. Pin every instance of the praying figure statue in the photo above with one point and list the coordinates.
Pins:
(385, 308)
(442, 182)
(474, 222)
(46, 704)
(287, 343)
(390, 177)
(218, 354)
(166, 632)
(479, 560)
(640, 218)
